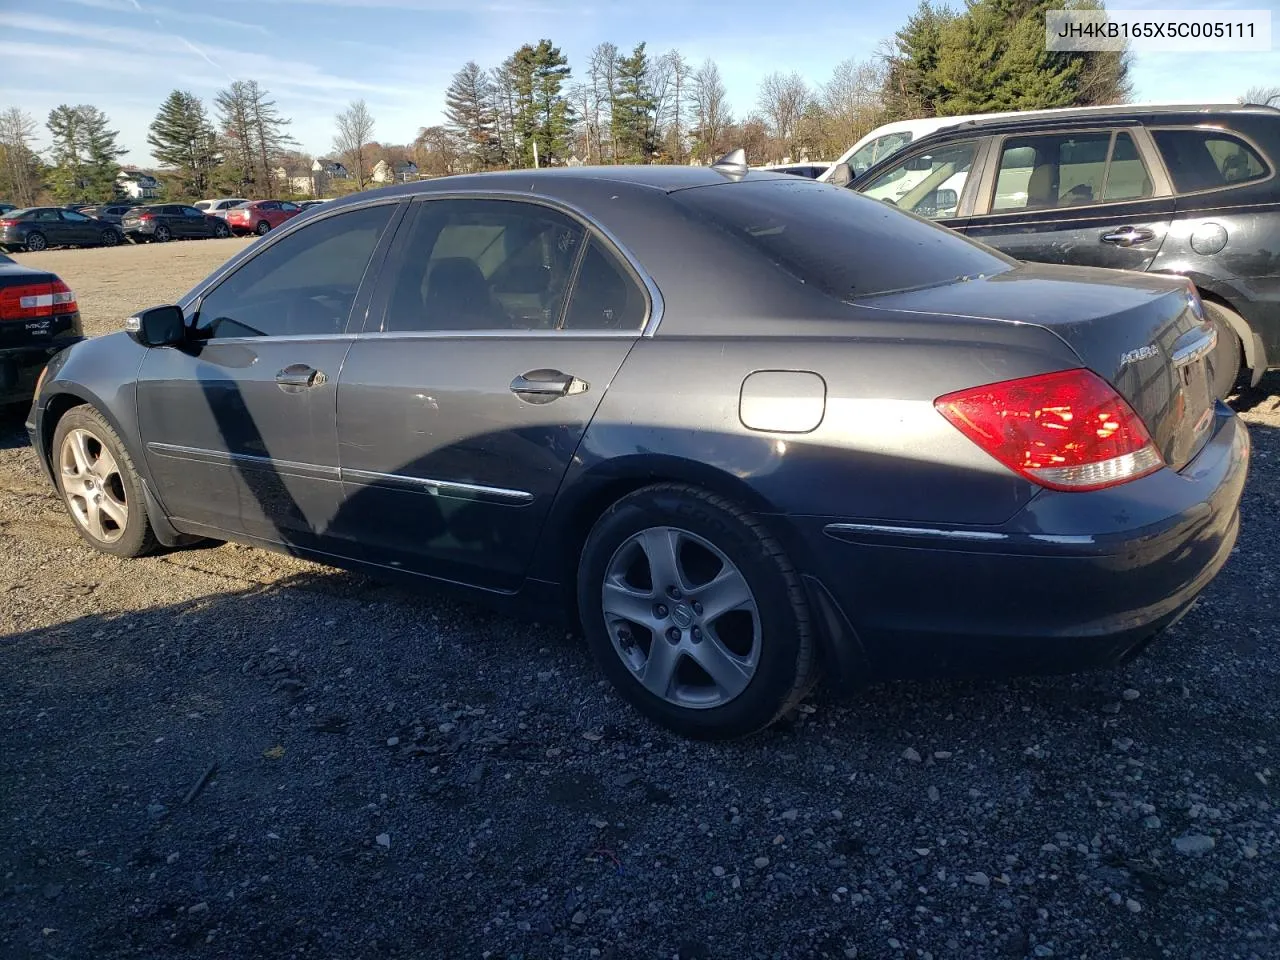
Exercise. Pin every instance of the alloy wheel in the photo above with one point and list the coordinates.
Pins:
(94, 487)
(682, 617)
(36, 242)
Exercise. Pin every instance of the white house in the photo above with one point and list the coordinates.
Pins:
(402, 172)
(137, 185)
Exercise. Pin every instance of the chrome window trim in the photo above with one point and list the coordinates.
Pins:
(501, 335)
(657, 306)
(436, 487)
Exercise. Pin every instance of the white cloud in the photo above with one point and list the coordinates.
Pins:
(170, 15)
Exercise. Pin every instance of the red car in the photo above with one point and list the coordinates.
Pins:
(259, 216)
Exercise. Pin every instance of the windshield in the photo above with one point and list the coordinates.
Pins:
(842, 242)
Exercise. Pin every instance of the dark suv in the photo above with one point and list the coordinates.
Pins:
(171, 221)
(1178, 189)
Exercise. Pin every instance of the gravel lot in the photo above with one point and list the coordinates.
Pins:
(222, 752)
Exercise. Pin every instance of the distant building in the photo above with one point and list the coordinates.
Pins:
(324, 172)
(137, 185)
(402, 172)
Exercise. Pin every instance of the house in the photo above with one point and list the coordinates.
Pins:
(137, 185)
(294, 181)
(402, 172)
(324, 172)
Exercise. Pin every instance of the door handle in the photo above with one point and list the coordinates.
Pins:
(299, 376)
(543, 386)
(1128, 236)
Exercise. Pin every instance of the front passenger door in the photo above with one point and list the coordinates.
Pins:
(238, 423)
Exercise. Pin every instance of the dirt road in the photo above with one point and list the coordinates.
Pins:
(221, 752)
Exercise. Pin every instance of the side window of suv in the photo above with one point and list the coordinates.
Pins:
(1206, 159)
(928, 184)
(1068, 170)
(470, 265)
(302, 285)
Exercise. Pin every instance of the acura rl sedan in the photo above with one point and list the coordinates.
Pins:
(744, 429)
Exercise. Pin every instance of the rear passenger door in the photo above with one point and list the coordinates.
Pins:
(494, 332)
(77, 228)
(1090, 198)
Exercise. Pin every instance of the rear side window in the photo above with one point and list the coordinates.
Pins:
(1207, 159)
(843, 243)
(1051, 172)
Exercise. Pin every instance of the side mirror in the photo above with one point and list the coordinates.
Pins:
(842, 174)
(158, 327)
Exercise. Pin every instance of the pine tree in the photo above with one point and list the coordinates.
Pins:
(85, 153)
(472, 114)
(552, 117)
(183, 140)
(633, 108)
(254, 136)
(912, 87)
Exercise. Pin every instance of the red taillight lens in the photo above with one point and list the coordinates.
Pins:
(1066, 431)
(146, 216)
(34, 300)
(9, 223)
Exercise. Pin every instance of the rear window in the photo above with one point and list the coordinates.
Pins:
(845, 244)
(1207, 159)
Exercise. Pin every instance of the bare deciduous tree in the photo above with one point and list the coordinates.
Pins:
(351, 142)
(852, 103)
(1262, 96)
(783, 98)
(711, 114)
(21, 165)
(678, 69)
(603, 76)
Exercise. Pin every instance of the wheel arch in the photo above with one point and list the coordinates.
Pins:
(1209, 289)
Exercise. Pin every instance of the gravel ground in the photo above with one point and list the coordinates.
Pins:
(222, 752)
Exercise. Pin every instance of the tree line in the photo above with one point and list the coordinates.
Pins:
(623, 106)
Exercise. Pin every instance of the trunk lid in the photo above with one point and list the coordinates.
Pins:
(1146, 334)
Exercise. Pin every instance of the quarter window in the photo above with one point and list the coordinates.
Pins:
(302, 285)
(1207, 159)
(472, 265)
(604, 297)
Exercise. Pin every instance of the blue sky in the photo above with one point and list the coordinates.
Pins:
(317, 55)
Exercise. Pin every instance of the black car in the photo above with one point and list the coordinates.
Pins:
(38, 317)
(38, 228)
(171, 221)
(840, 440)
(109, 212)
(1185, 190)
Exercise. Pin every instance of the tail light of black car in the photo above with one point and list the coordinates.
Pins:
(8, 222)
(1068, 430)
(33, 301)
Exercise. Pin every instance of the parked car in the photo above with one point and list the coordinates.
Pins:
(219, 207)
(108, 212)
(36, 228)
(259, 216)
(6, 207)
(162, 222)
(38, 317)
(1155, 189)
(77, 207)
(310, 203)
(809, 170)
(840, 439)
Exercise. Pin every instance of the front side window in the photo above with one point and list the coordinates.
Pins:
(928, 184)
(302, 285)
(1069, 170)
(472, 265)
(1207, 159)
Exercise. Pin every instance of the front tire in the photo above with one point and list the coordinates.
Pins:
(110, 238)
(262, 227)
(100, 486)
(695, 613)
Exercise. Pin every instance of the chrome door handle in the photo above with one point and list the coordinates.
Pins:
(299, 376)
(541, 386)
(1128, 236)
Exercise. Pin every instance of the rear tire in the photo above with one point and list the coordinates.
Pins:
(1226, 320)
(100, 486)
(162, 234)
(36, 242)
(760, 646)
(220, 231)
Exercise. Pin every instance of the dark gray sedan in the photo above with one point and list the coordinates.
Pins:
(38, 228)
(744, 429)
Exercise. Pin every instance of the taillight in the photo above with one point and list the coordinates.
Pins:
(9, 223)
(146, 216)
(33, 300)
(1066, 431)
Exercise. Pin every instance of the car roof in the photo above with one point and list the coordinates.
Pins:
(1129, 112)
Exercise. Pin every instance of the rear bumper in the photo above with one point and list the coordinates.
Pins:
(20, 368)
(1074, 580)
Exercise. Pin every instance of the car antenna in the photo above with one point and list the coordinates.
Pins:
(733, 164)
